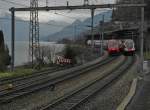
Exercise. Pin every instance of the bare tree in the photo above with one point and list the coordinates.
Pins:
(48, 53)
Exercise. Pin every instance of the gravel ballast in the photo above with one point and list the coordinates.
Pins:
(110, 98)
(46, 96)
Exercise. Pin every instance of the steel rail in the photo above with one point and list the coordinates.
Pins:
(26, 89)
(74, 99)
(42, 75)
(4, 81)
(114, 78)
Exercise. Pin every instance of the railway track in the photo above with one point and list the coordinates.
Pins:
(21, 81)
(4, 81)
(34, 85)
(75, 99)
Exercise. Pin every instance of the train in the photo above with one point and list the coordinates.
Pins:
(117, 47)
(113, 47)
(129, 47)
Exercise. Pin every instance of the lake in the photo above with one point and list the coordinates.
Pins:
(22, 47)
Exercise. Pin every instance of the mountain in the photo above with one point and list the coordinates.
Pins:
(68, 31)
(22, 28)
(77, 27)
(51, 31)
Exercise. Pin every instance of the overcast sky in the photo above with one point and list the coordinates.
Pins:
(67, 16)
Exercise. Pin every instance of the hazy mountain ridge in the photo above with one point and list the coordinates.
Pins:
(78, 27)
(22, 28)
(50, 31)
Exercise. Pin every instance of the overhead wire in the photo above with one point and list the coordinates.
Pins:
(65, 15)
(3, 8)
(28, 21)
(14, 3)
(40, 23)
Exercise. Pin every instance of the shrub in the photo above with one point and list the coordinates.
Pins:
(4, 54)
(70, 52)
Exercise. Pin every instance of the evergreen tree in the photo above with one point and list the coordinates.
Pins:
(4, 54)
(70, 52)
(1, 42)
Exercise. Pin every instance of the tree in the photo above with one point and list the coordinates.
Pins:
(1, 41)
(48, 53)
(70, 53)
(4, 54)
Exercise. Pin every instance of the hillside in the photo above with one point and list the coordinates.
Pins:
(78, 27)
(51, 31)
(22, 28)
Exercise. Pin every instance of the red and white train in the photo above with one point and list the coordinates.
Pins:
(127, 47)
(113, 46)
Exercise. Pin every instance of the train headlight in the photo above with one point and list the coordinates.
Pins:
(126, 49)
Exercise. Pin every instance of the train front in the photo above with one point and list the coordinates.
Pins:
(113, 47)
(129, 47)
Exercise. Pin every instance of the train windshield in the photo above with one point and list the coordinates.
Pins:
(112, 44)
(129, 44)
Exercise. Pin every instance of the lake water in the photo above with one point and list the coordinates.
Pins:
(21, 50)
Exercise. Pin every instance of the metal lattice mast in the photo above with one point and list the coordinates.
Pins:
(34, 45)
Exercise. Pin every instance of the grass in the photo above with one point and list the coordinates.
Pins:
(17, 72)
(146, 55)
(22, 71)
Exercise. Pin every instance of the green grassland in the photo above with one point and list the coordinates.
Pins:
(146, 55)
(17, 72)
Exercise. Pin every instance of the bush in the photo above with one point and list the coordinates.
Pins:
(70, 52)
(4, 54)
(4, 59)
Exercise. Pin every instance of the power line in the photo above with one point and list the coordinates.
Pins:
(14, 3)
(65, 15)
(3, 8)
(8, 19)
(58, 25)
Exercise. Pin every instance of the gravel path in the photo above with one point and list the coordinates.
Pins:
(110, 98)
(46, 96)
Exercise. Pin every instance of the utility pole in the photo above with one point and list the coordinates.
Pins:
(34, 45)
(102, 33)
(92, 27)
(12, 39)
(142, 39)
